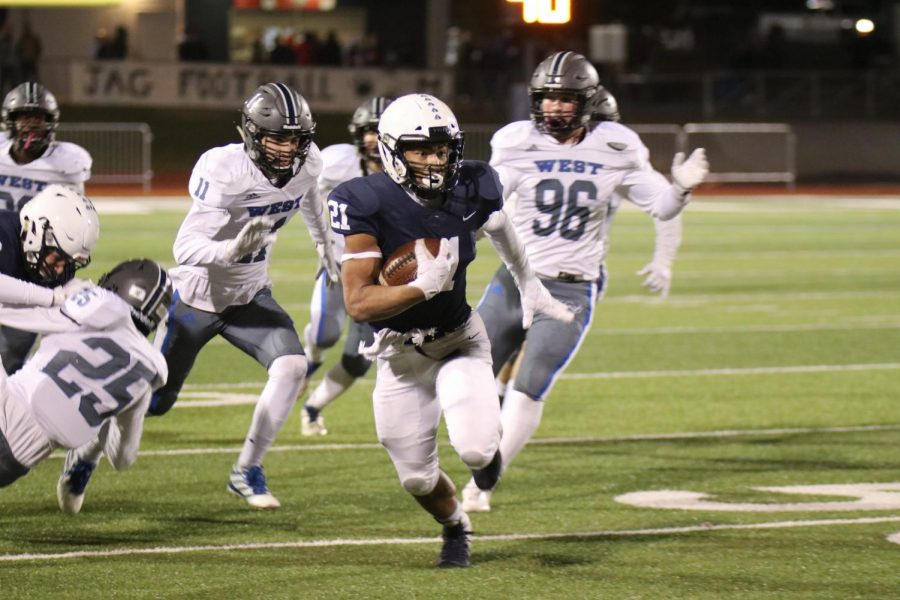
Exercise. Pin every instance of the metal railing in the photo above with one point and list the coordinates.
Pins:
(738, 152)
(121, 151)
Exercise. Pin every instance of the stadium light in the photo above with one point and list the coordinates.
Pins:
(546, 11)
(58, 3)
(864, 26)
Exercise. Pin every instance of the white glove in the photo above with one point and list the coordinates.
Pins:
(328, 262)
(59, 296)
(687, 174)
(434, 274)
(659, 279)
(63, 292)
(255, 234)
(537, 299)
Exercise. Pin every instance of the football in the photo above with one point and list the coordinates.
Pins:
(400, 267)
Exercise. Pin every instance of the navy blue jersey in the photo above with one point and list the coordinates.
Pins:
(12, 258)
(377, 206)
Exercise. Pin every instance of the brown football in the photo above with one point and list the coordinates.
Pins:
(401, 267)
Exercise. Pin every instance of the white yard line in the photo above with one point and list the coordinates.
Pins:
(887, 323)
(197, 389)
(337, 542)
(637, 437)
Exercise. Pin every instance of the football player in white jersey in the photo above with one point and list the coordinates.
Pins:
(657, 272)
(341, 162)
(564, 167)
(242, 195)
(30, 160)
(88, 385)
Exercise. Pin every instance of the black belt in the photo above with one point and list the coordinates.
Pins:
(438, 334)
(570, 277)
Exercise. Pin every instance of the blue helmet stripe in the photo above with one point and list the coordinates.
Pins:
(153, 298)
(288, 98)
(558, 61)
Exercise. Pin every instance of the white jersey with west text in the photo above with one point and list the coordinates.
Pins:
(563, 192)
(227, 191)
(340, 163)
(62, 162)
(91, 365)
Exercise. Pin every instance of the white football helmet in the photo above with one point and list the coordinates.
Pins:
(58, 220)
(412, 120)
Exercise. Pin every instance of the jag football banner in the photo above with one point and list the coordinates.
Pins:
(225, 86)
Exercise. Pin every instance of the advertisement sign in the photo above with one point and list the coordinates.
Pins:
(225, 86)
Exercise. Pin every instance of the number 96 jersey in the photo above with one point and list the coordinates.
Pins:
(564, 191)
(97, 367)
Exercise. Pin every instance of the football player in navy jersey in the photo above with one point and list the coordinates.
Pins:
(432, 353)
(31, 158)
(43, 245)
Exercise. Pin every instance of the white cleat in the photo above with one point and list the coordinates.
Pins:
(475, 500)
(310, 426)
(250, 484)
(74, 479)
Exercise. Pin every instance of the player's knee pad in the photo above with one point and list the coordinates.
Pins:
(420, 484)
(289, 366)
(355, 365)
(475, 458)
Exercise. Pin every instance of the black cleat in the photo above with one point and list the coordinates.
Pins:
(456, 549)
(487, 477)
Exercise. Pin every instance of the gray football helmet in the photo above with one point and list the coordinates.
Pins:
(365, 119)
(275, 110)
(30, 98)
(607, 108)
(565, 73)
(145, 286)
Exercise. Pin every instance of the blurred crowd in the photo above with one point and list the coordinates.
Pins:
(19, 54)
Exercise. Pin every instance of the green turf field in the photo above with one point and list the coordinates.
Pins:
(774, 363)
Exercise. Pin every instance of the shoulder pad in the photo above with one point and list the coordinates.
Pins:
(225, 164)
(96, 308)
(485, 178)
(361, 193)
(512, 135)
(72, 159)
(341, 163)
(608, 129)
(313, 164)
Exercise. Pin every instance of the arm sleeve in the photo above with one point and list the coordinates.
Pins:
(195, 244)
(668, 239)
(122, 438)
(313, 211)
(38, 319)
(16, 291)
(651, 192)
(500, 231)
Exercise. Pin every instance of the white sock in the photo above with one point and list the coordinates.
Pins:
(273, 407)
(335, 383)
(520, 418)
(501, 387)
(313, 353)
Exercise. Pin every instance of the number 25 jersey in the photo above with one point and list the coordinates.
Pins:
(98, 367)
